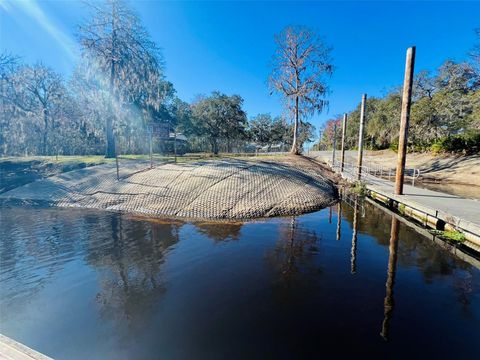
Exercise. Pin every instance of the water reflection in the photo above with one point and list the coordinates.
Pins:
(130, 267)
(389, 301)
(220, 231)
(339, 220)
(353, 252)
(133, 288)
(294, 251)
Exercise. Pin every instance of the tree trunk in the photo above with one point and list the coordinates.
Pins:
(110, 151)
(294, 149)
(214, 146)
(45, 132)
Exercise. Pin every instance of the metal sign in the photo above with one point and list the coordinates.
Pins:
(159, 130)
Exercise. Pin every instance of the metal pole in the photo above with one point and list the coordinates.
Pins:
(334, 143)
(116, 161)
(151, 160)
(344, 131)
(360, 137)
(175, 145)
(404, 120)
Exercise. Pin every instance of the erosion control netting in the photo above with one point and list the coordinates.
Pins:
(215, 189)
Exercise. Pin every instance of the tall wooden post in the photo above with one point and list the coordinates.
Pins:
(404, 120)
(360, 137)
(344, 131)
(334, 143)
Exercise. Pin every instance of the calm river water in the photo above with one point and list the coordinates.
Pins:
(79, 284)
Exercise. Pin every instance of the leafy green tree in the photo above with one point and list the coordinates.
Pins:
(219, 117)
(260, 129)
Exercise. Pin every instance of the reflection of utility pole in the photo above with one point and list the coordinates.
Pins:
(330, 215)
(389, 301)
(339, 218)
(353, 262)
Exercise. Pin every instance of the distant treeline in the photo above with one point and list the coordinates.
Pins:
(445, 113)
(117, 90)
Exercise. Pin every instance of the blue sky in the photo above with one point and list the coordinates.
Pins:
(228, 45)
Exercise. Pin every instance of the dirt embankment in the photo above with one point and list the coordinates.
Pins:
(452, 169)
(15, 173)
(216, 189)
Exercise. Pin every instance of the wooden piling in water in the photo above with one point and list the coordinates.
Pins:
(404, 120)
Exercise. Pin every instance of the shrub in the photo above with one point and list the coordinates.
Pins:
(468, 143)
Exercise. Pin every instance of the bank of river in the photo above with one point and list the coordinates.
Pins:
(87, 284)
(217, 189)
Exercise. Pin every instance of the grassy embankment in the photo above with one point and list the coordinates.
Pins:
(18, 171)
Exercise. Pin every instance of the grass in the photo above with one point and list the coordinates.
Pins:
(453, 235)
(61, 159)
(359, 188)
(100, 159)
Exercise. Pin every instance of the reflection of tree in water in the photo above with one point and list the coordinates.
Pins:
(130, 263)
(35, 245)
(220, 231)
(294, 252)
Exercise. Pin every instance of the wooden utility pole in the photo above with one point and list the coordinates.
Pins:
(360, 137)
(334, 143)
(404, 120)
(344, 131)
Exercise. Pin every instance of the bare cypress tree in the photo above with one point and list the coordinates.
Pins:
(38, 92)
(123, 55)
(301, 66)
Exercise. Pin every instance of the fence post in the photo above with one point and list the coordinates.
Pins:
(404, 120)
(344, 130)
(150, 141)
(116, 162)
(175, 145)
(360, 136)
